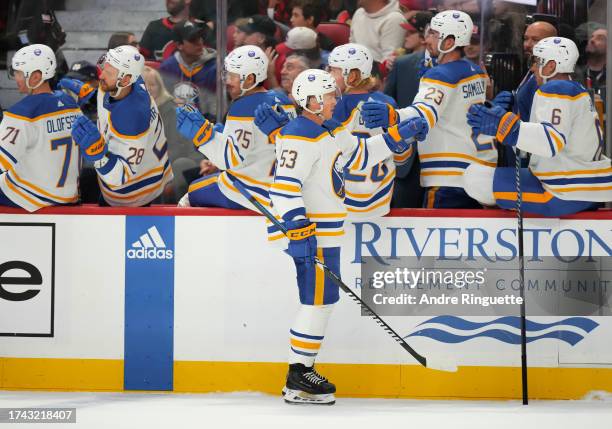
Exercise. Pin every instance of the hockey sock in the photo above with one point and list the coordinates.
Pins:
(308, 332)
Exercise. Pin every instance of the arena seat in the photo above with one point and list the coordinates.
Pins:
(339, 33)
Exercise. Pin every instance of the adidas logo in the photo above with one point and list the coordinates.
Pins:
(150, 245)
(60, 104)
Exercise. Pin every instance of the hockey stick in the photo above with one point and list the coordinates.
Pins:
(440, 365)
(521, 256)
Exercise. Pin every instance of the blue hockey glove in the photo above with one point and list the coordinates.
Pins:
(192, 125)
(83, 91)
(331, 124)
(397, 135)
(268, 120)
(494, 122)
(302, 239)
(86, 135)
(504, 99)
(376, 114)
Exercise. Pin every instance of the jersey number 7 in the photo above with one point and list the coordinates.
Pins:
(55, 144)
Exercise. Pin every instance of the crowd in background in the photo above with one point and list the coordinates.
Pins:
(296, 35)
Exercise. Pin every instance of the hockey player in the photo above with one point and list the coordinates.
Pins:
(446, 91)
(128, 146)
(368, 194)
(239, 147)
(312, 152)
(567, 170)
(38, 159)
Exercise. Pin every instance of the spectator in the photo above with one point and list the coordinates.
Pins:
(122, 38)
(472, 51)
(415, 31)
(593, 74)
(376, 25)
(527, 89)
(159, 32)
(293, 66)
(185, 161)
(192, 62)
(257, 30)
(279, 10)
(302, 40)
(408, 66)
(308, 13)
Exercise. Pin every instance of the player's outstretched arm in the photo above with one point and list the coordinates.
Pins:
(208, 139)
(541, 139)
(398, 139)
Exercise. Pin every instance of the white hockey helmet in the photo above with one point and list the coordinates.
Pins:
(32, 58)
(246, 60)
(127, 60)
(352, 56)
(453, 23)
(558, 49)
(312, 83)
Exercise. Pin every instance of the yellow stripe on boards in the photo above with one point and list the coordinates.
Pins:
(61, 374)
(353, 380)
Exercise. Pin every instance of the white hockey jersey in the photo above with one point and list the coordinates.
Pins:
(446, 92)
(243, 152)
(566, 142)
(37, 154)
(368, 193)
(309, 180)
(136, 168)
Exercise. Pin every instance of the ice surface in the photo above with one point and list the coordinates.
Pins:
(253, 410)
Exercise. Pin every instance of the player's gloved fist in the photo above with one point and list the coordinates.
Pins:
(192, 125)
(504, 99)
(83, 91)
(302, 239)
(376, 114)
(331, 124)
(397, 135)
(86, 135)
(268, 120)
(494, 122)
